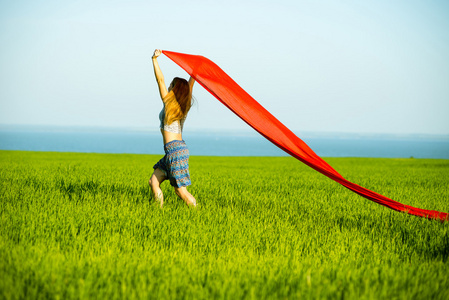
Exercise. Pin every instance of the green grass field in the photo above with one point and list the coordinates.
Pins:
(81, 226)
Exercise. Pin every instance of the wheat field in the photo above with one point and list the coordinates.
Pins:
(83, 226)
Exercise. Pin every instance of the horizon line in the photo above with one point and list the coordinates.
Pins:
(195, 130)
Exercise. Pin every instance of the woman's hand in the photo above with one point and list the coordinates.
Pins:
(158, 73)
(157, 52)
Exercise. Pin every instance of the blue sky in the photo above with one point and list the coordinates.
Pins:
(321, 66)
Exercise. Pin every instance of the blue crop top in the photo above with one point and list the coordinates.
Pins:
(175, 127)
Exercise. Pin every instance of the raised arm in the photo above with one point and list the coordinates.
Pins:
(158, 73)
(191, 82)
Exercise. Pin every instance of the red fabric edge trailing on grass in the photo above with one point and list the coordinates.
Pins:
(227, 91)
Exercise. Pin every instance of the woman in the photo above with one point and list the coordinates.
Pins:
(174, 166)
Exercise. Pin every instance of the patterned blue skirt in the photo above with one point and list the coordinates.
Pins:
(175, 163)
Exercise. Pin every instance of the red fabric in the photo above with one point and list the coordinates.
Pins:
(228, 92)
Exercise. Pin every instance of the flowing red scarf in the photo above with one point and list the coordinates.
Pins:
(228, 92)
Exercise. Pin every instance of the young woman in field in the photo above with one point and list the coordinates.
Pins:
(174, 166)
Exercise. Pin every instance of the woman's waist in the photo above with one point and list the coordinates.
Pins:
(176, 146)
(170, 136)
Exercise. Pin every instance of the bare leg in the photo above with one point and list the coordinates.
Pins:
(185, 196)
(155, 183)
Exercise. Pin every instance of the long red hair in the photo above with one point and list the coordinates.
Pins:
(178, 100)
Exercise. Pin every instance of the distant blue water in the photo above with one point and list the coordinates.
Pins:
(217, 144)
